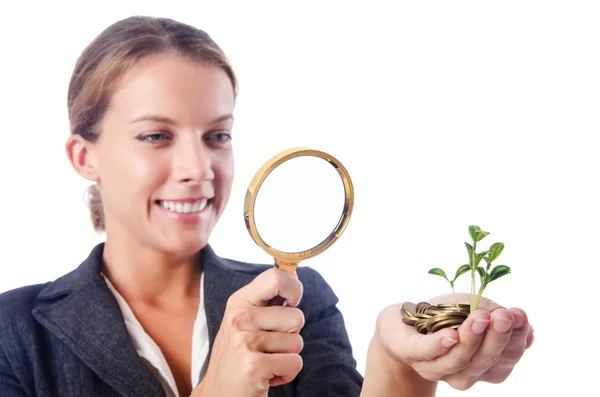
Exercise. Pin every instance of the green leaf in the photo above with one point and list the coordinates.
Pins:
(480, 256)
(438, 272)
(462, 270)
(488, 263)
(469, 250)
(495, 251)
(473, 229)
(482, 274)
(499, 271)
(480, 235)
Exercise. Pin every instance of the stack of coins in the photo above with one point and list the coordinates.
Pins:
(427, 318)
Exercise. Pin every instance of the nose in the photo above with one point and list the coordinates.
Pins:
(191, 162)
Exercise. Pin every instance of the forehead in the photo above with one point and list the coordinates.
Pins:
(175, 87)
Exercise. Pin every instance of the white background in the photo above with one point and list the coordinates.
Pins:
(445, 113)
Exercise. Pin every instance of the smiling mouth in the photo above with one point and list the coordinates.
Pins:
(185, 207)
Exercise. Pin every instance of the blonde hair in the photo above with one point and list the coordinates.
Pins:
(111, 54)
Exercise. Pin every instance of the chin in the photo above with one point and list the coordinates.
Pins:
(185, 246)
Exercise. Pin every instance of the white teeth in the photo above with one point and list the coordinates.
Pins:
(185, 208)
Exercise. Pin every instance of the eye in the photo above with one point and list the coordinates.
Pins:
(221, 137)
(154, 137)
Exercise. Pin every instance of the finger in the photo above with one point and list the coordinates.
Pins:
(272, 342)
(493, 345)
(283, 368)
(470, 336)
(278, 300)
(268, 285)
(272, 318)
(513, 351)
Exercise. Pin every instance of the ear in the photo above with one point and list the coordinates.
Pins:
(82, 157)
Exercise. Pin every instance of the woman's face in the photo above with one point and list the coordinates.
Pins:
(164, 158)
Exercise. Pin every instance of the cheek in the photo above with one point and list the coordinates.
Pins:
(225, 172)
(133, 171)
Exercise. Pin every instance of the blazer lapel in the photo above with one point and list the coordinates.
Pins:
(81, 311)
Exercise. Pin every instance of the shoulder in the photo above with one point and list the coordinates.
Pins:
(16, 306)
(18, 327)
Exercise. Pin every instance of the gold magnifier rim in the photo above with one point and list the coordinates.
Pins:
(262, 174)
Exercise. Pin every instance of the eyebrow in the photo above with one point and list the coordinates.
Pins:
(167, 120)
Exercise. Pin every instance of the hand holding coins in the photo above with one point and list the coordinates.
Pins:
(484, 347)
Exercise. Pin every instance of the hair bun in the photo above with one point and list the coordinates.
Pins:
(96, 208)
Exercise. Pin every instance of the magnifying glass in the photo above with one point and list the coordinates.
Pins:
(297, 205)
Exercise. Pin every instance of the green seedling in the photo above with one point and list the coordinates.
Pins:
(461, 270)
(485, 275)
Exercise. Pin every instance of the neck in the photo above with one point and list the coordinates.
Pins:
(143, 274)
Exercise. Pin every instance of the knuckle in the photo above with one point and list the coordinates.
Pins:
(488, 362)
(296, 364)
(297, 343)
(512, 356)
(252, 365)
(244, 340)
(462, 383)
(498, 376)
(238, 317)
(298, 320)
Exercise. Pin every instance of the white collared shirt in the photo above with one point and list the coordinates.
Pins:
(149, 351)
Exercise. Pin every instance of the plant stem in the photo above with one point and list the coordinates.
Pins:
(455, 299)
(473, 269)
(478, 298)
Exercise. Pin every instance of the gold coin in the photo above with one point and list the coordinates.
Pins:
(439, 324)
(421, 307)
(445, 319)
(421, 325)
(453, 305)
(408, 308)
(436, 326)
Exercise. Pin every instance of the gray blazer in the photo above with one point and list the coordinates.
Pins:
(68, 337)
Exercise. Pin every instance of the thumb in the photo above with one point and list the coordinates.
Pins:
(406, 343)
(270, 284)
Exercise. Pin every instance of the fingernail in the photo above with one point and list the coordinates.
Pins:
(519, 320)
(448, 342)
(479, 325)
(502, 325)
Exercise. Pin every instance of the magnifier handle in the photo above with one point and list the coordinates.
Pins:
(288, 267)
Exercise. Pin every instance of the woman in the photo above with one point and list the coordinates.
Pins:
(154, 311)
